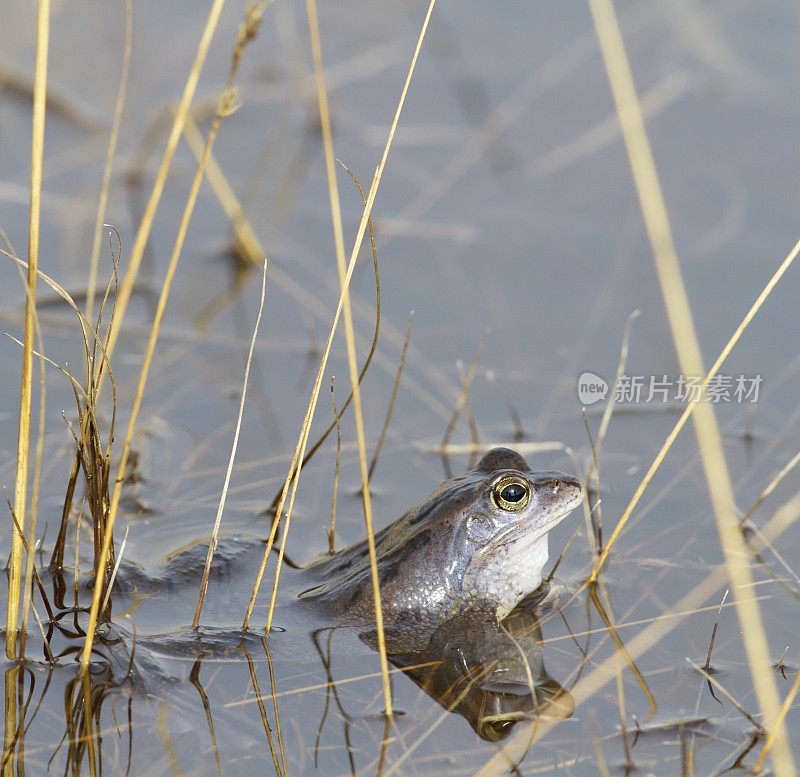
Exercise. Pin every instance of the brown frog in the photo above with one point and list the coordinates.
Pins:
(478, 544)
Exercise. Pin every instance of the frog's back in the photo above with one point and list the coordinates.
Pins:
(435, 513)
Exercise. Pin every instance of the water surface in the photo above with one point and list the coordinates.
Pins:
(507, 208)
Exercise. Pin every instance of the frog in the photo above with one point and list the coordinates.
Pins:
(477, 544)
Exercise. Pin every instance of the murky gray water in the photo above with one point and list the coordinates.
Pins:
(506, 208)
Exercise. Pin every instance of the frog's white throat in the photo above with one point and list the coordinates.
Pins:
(508, 573)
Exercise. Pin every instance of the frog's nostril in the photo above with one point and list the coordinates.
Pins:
(550, 484)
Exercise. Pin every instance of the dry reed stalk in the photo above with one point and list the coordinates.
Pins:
(602, 603)
(773, 484)
(112, 147)
(329, 684)
(593, 514)
(23, 438)
(194, 679)
(707, 665)
(461, 402)
(77, 556)
(275, 705)
(226, 105)
(12, 678)
(143, 232)
(259, 697)
(301, 443)
(334, 496)
(34, 511)
(212, 545)
(612, 399)
(623, 715)
(770, 741)
(725, 692)
(89, 736)
(30, 569)
(352, 359)
(390, 409)
(34, 575)
(676, 301)
(113, 577)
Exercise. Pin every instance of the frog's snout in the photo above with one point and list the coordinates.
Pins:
(556, 486)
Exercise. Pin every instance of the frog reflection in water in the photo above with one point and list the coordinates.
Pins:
(477, 545)
(493, 676)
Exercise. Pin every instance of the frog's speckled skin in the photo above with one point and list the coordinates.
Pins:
(456, 552)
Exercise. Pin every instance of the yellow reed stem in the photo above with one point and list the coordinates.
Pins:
(23, 438)
(223, 496)
(352, 359)
(770, 741)
(676, 301)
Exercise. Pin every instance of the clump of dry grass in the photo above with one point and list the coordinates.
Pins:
(92, 455)
(93, 459)
(227, 104)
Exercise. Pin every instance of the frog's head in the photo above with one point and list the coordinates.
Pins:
(501, 535)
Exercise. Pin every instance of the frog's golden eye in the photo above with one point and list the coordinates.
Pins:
(511, 493)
